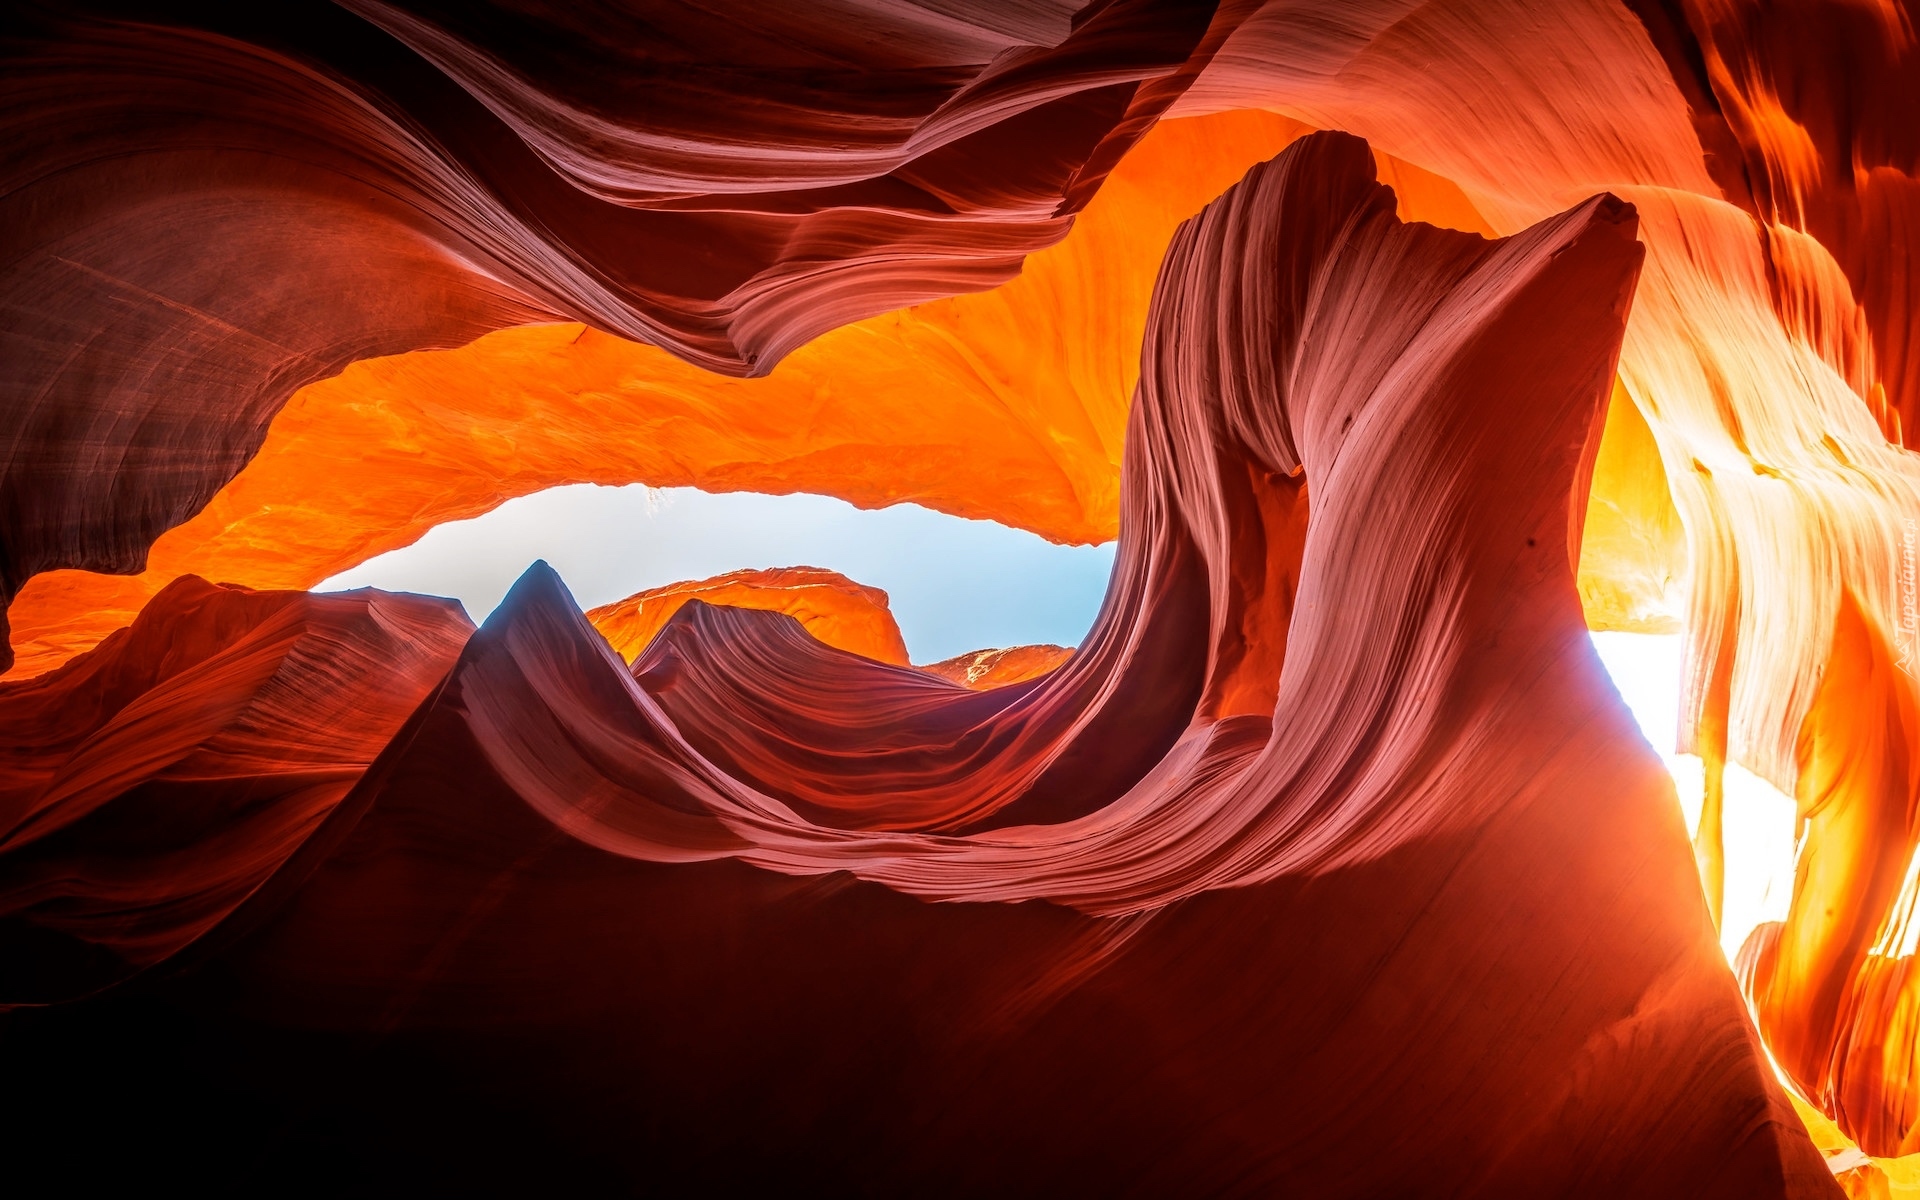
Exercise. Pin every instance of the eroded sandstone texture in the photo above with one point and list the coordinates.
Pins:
(1329, 862)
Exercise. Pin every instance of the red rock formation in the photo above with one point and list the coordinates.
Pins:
(150, 786)
(1770, 150)
(1811, 113)
(832, 608)
(1031, 379)
(1343, 803)
(200, 213)
(867, 158)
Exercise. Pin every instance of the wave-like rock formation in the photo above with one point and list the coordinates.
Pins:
(488, 248)
(1328, 819)
(1771, 151)
(149, 788)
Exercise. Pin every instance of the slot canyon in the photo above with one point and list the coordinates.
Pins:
(1402, 350)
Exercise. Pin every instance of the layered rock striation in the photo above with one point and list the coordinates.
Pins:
(456, 253)
(1327, 818)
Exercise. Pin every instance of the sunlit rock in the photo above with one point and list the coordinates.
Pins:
(828, 605)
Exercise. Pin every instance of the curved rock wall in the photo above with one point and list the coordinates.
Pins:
(1357, 742)
(1316, 628)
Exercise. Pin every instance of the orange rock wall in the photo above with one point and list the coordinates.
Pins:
(997, 668)
(834, 609)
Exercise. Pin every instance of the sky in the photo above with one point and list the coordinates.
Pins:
(954, 585)
(957, 585)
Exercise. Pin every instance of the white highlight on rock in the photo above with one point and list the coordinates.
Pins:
(1759, 827)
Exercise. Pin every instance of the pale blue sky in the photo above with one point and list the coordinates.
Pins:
(955, 585)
